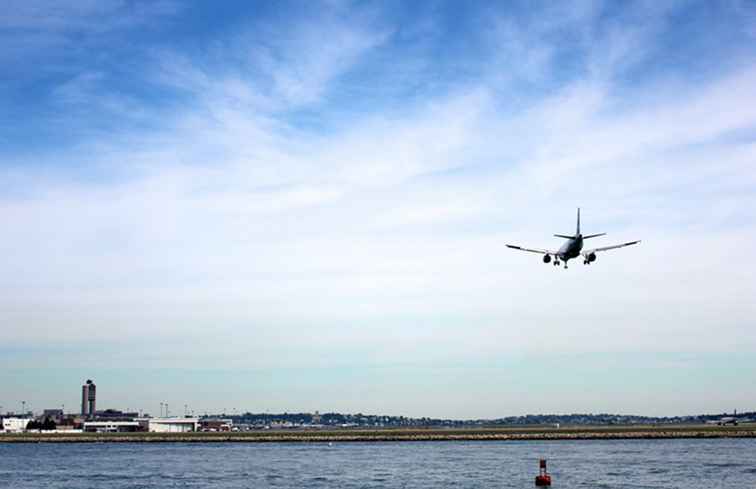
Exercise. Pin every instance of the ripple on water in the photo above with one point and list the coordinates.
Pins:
(656, 464)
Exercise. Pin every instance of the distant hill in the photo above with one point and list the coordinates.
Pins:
(372, 420)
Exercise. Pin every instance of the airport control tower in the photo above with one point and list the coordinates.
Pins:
(88, 396)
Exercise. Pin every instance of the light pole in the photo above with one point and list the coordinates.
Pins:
(23, 408)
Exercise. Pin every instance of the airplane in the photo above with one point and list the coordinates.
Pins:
(727, 420)
(572, 248)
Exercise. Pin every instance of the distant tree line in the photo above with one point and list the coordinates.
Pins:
(47, 424)
(359, 419)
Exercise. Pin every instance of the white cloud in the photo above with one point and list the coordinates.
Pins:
(272, 195)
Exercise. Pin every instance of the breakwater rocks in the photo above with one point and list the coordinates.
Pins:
(380, 436)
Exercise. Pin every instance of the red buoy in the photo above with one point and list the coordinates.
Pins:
(543, 478)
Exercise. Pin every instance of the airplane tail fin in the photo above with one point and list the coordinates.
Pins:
(577, 231)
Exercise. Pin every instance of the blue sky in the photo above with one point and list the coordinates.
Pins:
(305, 205)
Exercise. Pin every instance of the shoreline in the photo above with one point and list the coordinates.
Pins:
(394, 435)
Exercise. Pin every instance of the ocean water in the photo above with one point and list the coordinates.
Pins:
(710, 464)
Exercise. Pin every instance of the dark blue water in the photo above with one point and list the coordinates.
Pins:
(710, 464)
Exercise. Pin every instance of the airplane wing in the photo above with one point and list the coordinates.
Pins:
(606, 248)
(532, 250)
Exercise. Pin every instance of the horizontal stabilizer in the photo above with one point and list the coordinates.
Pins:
(564, 236)
(594, 235)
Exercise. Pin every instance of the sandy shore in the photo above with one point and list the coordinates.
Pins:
(392, 435)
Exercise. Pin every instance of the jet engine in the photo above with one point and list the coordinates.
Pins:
(546, 258)
(591, 257)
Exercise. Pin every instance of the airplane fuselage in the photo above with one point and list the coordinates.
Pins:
(571, 248)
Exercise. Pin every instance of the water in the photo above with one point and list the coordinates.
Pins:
(710, 464)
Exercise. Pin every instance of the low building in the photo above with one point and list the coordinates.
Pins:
(214, 424)
(115, 415)
(15, 425)
(170, 425)
(74, 421)
(53, 414)
(111, 426)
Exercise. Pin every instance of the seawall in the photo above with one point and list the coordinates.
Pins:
(391, 435)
